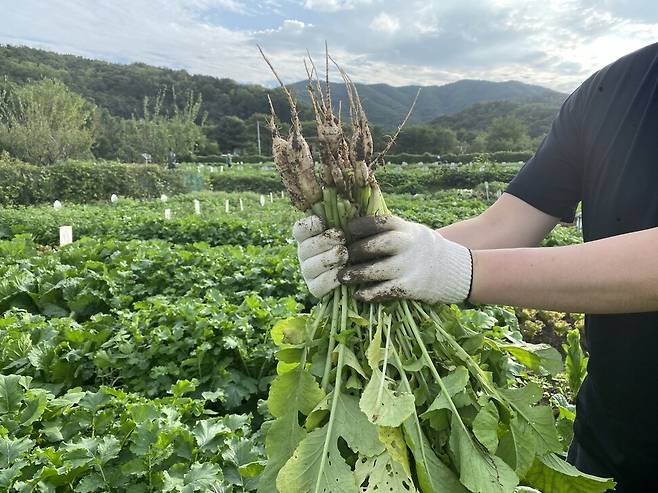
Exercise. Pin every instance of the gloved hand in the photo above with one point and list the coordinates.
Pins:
(322, 253)
(395, 258)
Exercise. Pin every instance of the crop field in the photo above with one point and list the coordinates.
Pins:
(139, 357)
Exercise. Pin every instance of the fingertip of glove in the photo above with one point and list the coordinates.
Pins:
(360, 296)
(324, 283)
(344, 275)
(308, 226)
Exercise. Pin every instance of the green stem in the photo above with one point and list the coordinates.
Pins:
(458, 351)
(370, 321)
(380, 391)
(318, 318)
(355, 309)
(318, 210)
(342, 213)
(343, 307)
(333, 199)
(407, 388)
(364, 197)
(100, 467)
(332, 338)
(336, 391)
(328, 207)
(416, 333)
(314, 328)
(405, 344)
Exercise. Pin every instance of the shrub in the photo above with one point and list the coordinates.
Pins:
(45, 122)
(75, 181)
(260, 182)
(495, 157)
(221, 159)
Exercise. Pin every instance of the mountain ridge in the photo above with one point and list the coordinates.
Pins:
(387, 105)
(121, 88)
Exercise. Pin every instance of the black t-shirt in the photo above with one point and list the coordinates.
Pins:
(602, 150)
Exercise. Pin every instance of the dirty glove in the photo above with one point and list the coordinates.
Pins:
(322, 253)
(395, 258)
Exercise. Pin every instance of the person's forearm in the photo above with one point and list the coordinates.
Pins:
(509, 223)
(614, 275)
(473, 233)
(480, 233)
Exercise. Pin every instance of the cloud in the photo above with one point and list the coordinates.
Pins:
(158, 32)
(294, 25)
(334, 5)
(230, 5)
(290, 26)
(385, 23)
(556, 44)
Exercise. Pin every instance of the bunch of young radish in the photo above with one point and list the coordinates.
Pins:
(399, 396)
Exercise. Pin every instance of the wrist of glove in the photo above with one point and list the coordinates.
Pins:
(389, 258)
(393, 258)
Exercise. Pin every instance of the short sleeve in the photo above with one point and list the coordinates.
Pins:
(551, 180)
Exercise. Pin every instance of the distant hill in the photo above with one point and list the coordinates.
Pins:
(121, 88)
(386, 105)
(536, 117)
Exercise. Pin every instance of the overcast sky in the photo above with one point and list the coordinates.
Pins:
(554, 43)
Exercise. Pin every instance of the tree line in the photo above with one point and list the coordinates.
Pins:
(44, 122)
(54, 107)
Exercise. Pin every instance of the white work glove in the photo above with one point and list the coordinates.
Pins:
(394, 258)
(322, 253)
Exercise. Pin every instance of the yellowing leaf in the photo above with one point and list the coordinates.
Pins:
(290, 332)
(383, 405)
(383, 474)
(396, 447)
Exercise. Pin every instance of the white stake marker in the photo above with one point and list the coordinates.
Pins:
(226, 206)
(486, 189)
(197, 207)
(167, 213)
(57, 205)
(262, 200)
(163, 198)
(241, 205)
(271, 198)
(221, 169)
(114, 198)
(282, 196)
(65, 235)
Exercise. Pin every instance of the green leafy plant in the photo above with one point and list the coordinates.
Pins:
(111, 441)
(575, 361)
